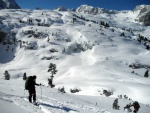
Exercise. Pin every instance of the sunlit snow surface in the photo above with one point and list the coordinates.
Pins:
(104, 63)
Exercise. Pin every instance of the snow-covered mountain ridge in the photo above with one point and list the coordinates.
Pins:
(93, 10)
(142, 10)
(93, 53)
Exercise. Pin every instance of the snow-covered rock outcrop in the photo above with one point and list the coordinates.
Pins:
(8, 4)
(145, 18)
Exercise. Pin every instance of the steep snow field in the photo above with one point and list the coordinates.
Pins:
(88, 56)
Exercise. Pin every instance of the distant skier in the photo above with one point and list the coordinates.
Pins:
(30, 86)
(7, 75)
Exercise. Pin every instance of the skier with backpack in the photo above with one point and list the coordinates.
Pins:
(136, 106)
(30, 86)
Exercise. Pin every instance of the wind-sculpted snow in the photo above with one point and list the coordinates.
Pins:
(94, 54)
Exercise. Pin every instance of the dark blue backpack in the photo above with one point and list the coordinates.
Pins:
(27, 83)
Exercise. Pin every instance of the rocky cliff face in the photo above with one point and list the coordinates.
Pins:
(145, 18)
(144, 14)
(8, 4)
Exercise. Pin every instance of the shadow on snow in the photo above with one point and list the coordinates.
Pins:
(58, 107)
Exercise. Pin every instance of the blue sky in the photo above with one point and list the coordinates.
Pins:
(107, 4)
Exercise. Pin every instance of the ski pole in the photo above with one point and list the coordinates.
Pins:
(41, 93)
(24, 92)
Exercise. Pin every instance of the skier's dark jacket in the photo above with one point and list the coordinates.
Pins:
(32, 84)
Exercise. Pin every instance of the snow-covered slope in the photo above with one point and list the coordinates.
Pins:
(8, 4)
(90, 55)
(13, 98)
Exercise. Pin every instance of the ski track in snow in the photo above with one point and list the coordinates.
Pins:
(48, 104)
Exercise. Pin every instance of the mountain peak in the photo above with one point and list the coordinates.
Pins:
(144, 14)
(93, 10)
(61, 8)
(8, 4)
(140, 7)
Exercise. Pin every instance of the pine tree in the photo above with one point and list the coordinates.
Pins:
(7, 75)
(106, 25)
(147, 47)
(20, 44)
(74, 19)
(24, 76)
(113, 30)
(115, 104)
(53, 71)
(64, 50)
(2, 36)
(146, 74)
(122, 34)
